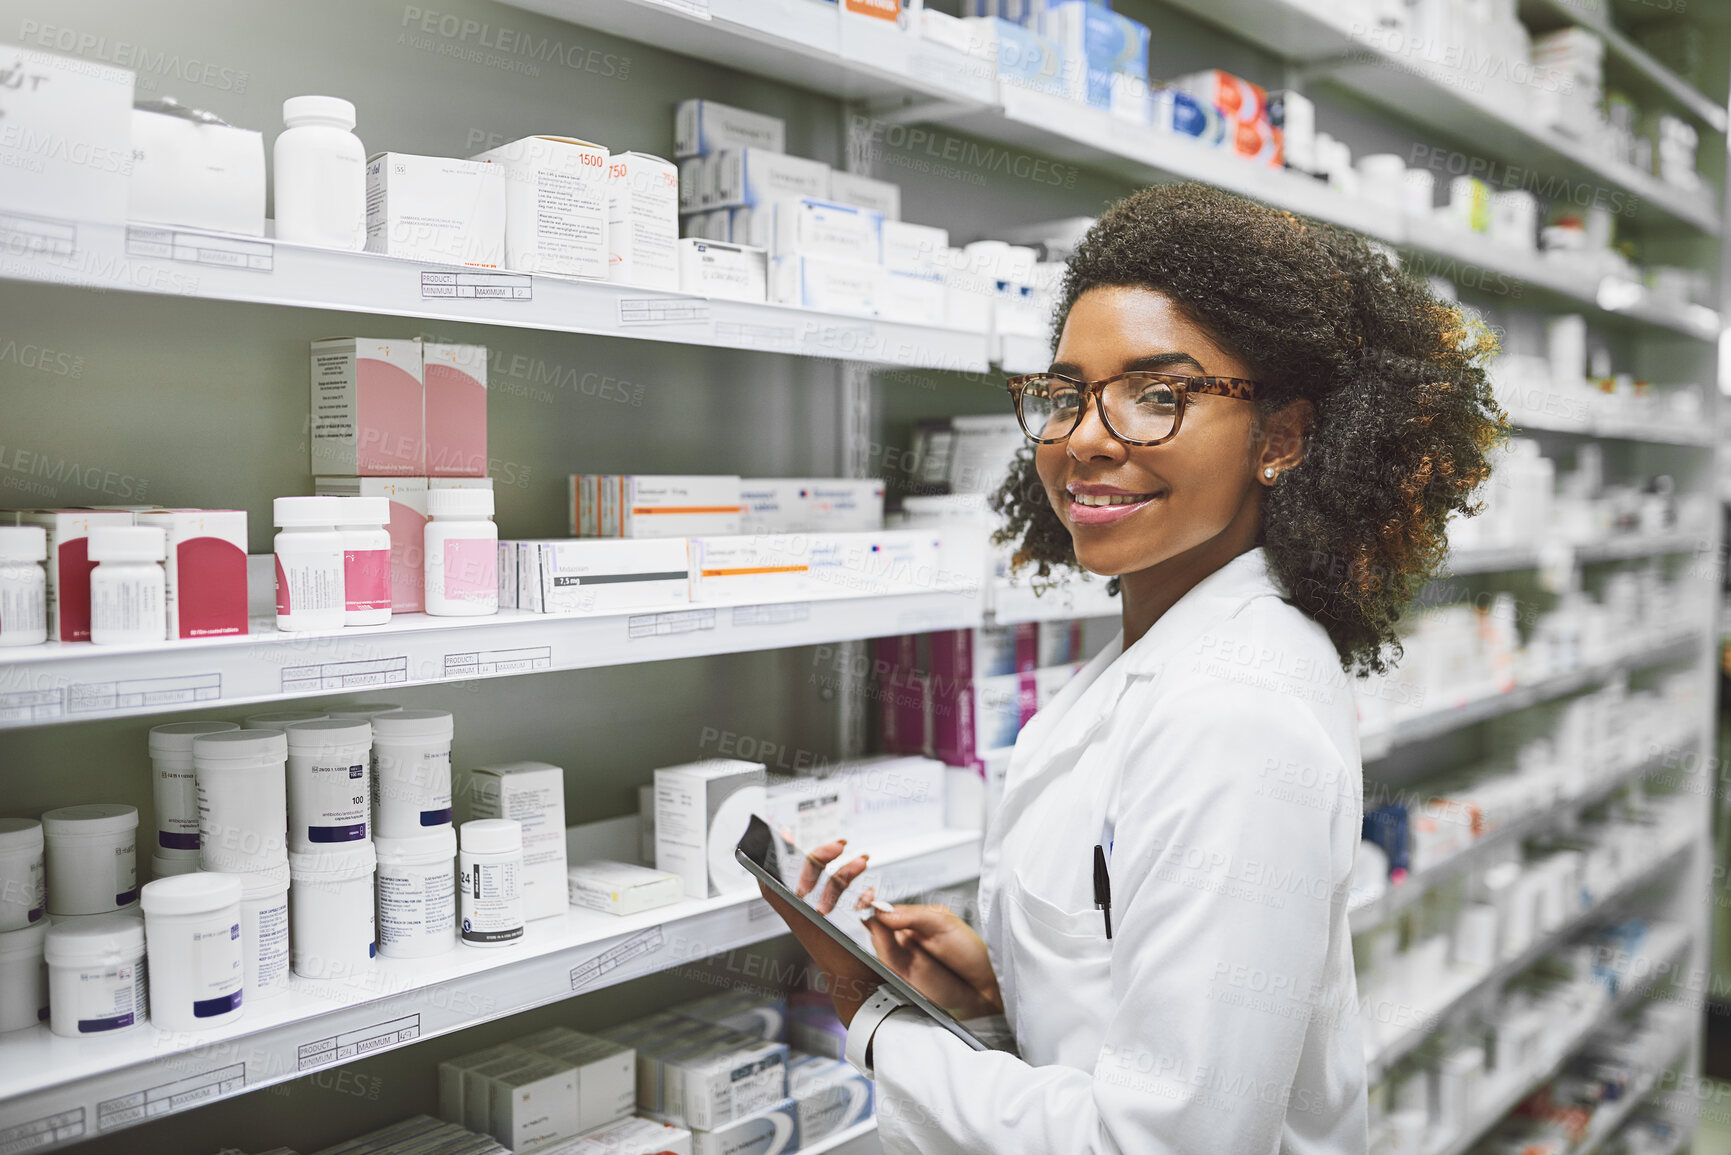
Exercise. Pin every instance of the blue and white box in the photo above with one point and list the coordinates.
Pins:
(881, 196)
(830, 1096)
(917, 250)
(722, 270)
(1112, 49)
(1026, 59)
(851, 288)
(771, 1132)
(756, 176)
(809, 227)
(701, 127)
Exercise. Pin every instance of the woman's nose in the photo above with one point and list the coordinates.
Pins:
(1091, 440)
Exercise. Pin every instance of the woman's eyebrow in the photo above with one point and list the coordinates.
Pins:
(1157, 362)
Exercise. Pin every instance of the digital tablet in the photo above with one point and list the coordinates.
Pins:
(759, 852)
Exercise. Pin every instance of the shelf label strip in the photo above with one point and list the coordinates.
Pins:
(48, 1131)
(772, 615)
(663, 625)
(644, 942)
(768, 338)
(125, 1110)
(352, 1044)
(32, 705)
(42, 235)
(142, 693)
(477, 286)
(200, 249)
(345, 675)
(477, 663)
(663, 311)
(696, 9)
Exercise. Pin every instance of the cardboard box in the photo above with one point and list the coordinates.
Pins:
(830, 286)
(829, 1094)
(368, 398)
(913, 300)
(621, 887)
(65, 145)
(69, 565)
(644, 505)
(437, 209)
(918, 250)
(894, 798)
(206, 571)
(451, 1078)
(719, 1081)
(555, 205)
(535, 1104)
(881, 196)
(812, 1026)
(606, 1072)
(701, 127)
(873, 564)
(192, 173)
(761, 566)
(772, 1131)
(456, 410)
(599, 575)
(755, 176)
(722, 270)
(642, 221)
(809, 227)
(478, 1087)
(810, 504)
(630, 1137)
(701, 812)
(407, 527)
(532, 793)
(762, 1016)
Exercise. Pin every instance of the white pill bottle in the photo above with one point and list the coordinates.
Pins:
(197, 961)
(462, 553)
(23, 585)
(490, 876)
(366, 560)
(96, 975)
(128, 587)
(417, 884)
(309, 563)
(320, 175)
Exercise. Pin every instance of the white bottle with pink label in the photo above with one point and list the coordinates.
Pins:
(366, 560)
(309, 563)
(462, 553)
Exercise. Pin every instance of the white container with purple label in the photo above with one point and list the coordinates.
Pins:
(329, 791)
(96, 975)
(197, 963)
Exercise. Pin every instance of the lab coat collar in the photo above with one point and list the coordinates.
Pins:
(1214, 599)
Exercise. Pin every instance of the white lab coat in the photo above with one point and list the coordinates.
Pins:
(1218, 759)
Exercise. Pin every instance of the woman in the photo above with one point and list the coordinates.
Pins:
(1260, 427)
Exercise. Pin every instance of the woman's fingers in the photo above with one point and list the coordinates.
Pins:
(815, 863)
(839, 882)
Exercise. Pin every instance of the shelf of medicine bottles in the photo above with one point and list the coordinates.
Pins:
(1401, 895)
(67, 1090)
(76, 681)
(1699, 435)
(1379, 741)
(1637, 61)
(1610, 1117)
(1468, 988)
(209, 266)
(1622, 547)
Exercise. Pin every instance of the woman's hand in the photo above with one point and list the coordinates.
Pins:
(939, 955)
(849, 982)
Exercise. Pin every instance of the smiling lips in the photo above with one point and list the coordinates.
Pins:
(1103, 504)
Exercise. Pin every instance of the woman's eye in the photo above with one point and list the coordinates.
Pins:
(1156, 399)
(1064, 399)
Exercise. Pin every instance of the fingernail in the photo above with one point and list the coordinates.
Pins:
(880, 905)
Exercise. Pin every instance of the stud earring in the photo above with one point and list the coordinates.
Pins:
(1268, 472)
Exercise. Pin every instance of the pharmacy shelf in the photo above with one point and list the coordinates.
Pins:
(76, 681)
(1606, 1122)
(1468, 989)
(856, 1140)
(220, 267)
(1697, 436)
(1415, 886)
(1383, 740)
(1634, 60)
(1078, 597)
(59, 1091)
(1619, 548)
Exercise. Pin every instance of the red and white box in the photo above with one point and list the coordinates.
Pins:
(455, 378)
(642, 221)
(206, 570)
(69, 565)
(369, 408)
(407, 527)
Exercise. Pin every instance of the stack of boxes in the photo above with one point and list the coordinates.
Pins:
(393, 418)
(547, 1086)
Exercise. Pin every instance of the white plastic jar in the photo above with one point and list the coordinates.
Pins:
(175, 787)
(366, 560)
(92, 858)
(411, 771)
(331, 928)
(23, 585)
(329, 798)
(309, 563)
(320, 172)
(242, 799)
(161, 867)
(128, 587)
(462, 553)
(23, 977)
(197, 973)
(264, 932)
(23, 885)
(362, 711)
(418, 894)
(96, 975)
(277, 719)
(490, 869)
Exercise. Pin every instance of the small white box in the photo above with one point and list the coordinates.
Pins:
(606, 1072)
(477, 1094)
(206, 570)
(831, 286)
(718, 1082)
(873, 564)
(188, 172)
(810, 504)
(368, 398)
(881, 196)
(830, 1095)
(590, 575)
(455, 421)
(701, 127)
(760, 566)
(555, 205)
(532, 793)
(810, 227)
(654, 505)
(722, 270)
(692, 182)
(701, 812)
(535, 1104)
(920, 250)
(451, 1073)
(913, 300)
(437, 209)
(894, 798)
(621, 887)
(750, 1012)
(69, 565)
(630, 1137)
(773, 1131)
(642, 221)
(754, 176)
(408, 529)
(65, 143)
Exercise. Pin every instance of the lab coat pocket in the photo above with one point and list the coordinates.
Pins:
(1058, 959)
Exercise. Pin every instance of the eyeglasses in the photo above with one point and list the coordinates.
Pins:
(1137, 408)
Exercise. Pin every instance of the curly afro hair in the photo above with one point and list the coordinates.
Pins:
(1404, 416)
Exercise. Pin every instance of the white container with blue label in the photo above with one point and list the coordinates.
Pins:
(197, 963)
(329, 791)
(96, 975)
(331, 919)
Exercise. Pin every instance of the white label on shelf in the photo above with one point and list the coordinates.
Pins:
(676, 622)
(48, 1131)
(32, 705)
(516, 661)
(698, 9)
(345, 675)
(772, 615)
(644, 942)
(22, 234)
(142, 693)
(166, 1098)
(769, 338)
(663, 311)
(200, 248)
(488, 286)
(360, 1041)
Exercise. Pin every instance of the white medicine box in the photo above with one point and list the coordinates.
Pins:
(555, 205)
(701, 812)
(65, 146)
(368, 408)
(723, 270)
(701, 127)
(532, 794)
(437, 209)
(642, 221)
